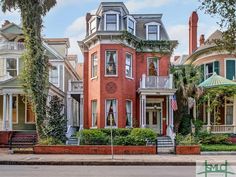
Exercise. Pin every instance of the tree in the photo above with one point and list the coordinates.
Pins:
(55, 125)
(226, 11)
(36, 63)
(186, 79)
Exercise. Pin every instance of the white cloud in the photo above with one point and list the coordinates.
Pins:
(136, 5)
(13, 16)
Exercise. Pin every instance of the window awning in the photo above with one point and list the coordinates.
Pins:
(215, 81)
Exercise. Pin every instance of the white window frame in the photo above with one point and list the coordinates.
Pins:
(90, 25)
(17, 65)
(116, 118)
(17, 109)
(229, 104)
(158, 29)
(26, 102)
(225, 72)
(58, 73)
(131, 113)
(117, 19)
(158, 70)
(132, 19)
(115, 75)
(92, 101)
(131, 65)
(205, 69)
(92, 66)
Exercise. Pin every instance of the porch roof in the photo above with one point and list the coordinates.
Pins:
(215, 81)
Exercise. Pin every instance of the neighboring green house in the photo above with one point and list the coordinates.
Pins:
(15, 112)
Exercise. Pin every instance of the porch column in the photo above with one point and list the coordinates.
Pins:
(81, 114)
(10, 111)
(208, 116)
(69, 108)
(4, 111)
(195, 110)
(143, 110)
(234, 114)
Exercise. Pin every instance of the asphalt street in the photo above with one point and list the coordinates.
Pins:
(96, 171)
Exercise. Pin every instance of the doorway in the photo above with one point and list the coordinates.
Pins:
(153, 119)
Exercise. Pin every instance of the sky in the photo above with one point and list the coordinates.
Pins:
(67, 19)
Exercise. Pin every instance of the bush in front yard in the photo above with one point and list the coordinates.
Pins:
(93, 137)
(50, 141)
(209, 138)
(144, 134)
(186, 140)
(117, 131)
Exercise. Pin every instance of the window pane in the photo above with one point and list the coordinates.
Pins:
(94, 113)
(54, 75)
(111, 113)
(229, 115)
(111, 22)
(230, 69)
(128, 113)
(152, 67)
(111, 27)
(152, 36)
(93, 26)
(111, 18)
(14, 109)
(94, 64)
(11, 66)
(152, 29)
(111, 63)
(131, 26)
(209, 70)
(128, 65)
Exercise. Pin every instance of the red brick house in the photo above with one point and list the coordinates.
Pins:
(124, 86)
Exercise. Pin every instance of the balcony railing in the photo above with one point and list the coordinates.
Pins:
(75, 86)
(156, 82)
(17, 46)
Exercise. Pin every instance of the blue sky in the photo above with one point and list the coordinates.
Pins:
(67, 19)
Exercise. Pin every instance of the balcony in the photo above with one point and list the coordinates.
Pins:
(75, 87)
(12, 46)
(156, 82)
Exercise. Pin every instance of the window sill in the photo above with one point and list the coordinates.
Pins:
(131, 78)
(111, 76)
(111, 127)
(94, 78)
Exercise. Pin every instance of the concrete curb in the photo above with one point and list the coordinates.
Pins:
(218, 153)
(98, 163)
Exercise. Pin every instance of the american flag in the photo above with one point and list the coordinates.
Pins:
(174, 103)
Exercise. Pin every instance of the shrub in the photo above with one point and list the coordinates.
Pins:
(128, 141)
(117, 131)
(198, 126)
(93, 137)
(185, 125)
(209, 138)
(144, 134)
(50, 141)
(186, 139)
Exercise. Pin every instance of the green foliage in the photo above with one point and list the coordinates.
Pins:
(161, 46)
(55, 125)
(186, 140)
(50, 141)
(225, 11)
(121, 136)
(35, 75)
(93, 137)
(144, 134)
(198, 126)
(185, 125)
(209, 138)
(218, 147)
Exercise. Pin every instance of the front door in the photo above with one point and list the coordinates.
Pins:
(153, 119)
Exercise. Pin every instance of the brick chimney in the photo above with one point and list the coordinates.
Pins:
(193, 20)
(202, 39)
(6, 22)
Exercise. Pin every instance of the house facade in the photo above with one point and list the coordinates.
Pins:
(123, 85)
(15, 112)
(212, 61)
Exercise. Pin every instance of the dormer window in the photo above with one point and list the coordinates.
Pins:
(131, 25)
(153, 31)
(111, 21)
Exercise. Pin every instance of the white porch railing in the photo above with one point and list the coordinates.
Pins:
(158, 82)
(18, 46)
(220, 128)
(75, 86)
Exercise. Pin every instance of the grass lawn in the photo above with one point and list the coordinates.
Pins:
(218, 147)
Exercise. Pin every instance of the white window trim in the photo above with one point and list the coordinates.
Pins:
(128, 77)
(117, 106)
(26, 102)
(131, 113)
(94, 77)
(111, 12)
(116, 75)
(90, 22)
(228, 104)
(17, 109)
(58, 74)
(92, 112)
(158, 29)
(226, 68)
(158, 70)
(17, 65)
(129, 17)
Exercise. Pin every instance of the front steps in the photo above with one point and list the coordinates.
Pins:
(72, 141)
(165, 145)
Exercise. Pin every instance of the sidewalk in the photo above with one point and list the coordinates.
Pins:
(168, 160)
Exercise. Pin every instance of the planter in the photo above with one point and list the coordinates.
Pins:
(4, 138)
(100, 149)
(188, 149)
